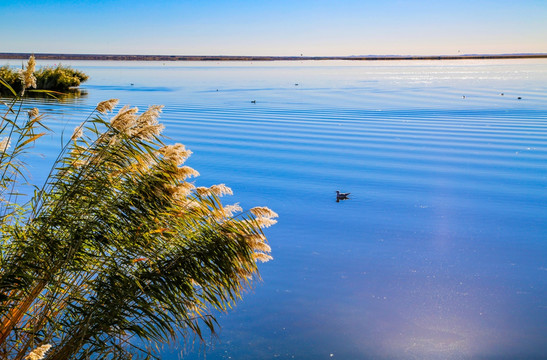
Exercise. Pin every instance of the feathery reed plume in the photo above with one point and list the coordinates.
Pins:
(186, 172)
(108, 105)
(253, 239)
(221, 189)
(5, 144)
(27, 75)
(78, 132)
(265, 222)
(258, 256)
(262, 246)
(218, 190)
(148, 132)
(33, 113)
(38, 353)
(150, 116)
(147, 126)
(230, 210)
(125, 119)
(180, 191)
(257, 242)
(263, 211)
(175, 154)
(203, 191)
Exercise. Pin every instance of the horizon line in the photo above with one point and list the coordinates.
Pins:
(135, 57)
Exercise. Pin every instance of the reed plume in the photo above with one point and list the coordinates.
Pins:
(38, 353)
(33, 113)
(5, 144)
(175, 154)
(125, 119)
(78, 132)
(108, 105)
(27, 75)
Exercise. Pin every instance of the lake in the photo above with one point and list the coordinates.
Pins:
(441, 250)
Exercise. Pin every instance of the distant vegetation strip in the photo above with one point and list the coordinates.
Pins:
(55, 78)
(45, 56)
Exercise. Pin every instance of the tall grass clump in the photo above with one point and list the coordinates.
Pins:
(54, 78)
(118, 252)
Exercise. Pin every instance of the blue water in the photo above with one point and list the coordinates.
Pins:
(441, 251)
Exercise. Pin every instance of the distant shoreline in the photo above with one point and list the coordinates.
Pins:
(47, 56)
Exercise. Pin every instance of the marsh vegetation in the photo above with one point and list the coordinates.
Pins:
(58, 78)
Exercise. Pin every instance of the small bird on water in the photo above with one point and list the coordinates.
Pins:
(341, 196)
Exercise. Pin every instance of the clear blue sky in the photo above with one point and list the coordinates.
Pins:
(274, 27)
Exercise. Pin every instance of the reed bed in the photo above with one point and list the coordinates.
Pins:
(118, 252)
(58, 78)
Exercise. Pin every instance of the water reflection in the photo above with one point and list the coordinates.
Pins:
(131, 87)
(50, 96)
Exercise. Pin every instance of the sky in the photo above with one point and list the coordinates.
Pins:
(274, 27)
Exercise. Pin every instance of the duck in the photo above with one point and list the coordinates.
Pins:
(341, 196)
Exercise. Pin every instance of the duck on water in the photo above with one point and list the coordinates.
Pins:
(341, 196)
